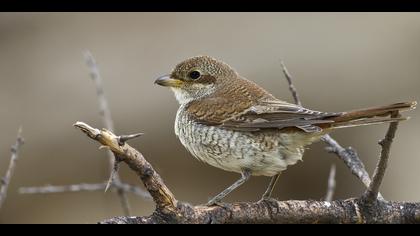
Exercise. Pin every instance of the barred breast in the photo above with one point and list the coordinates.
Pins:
(264, 152)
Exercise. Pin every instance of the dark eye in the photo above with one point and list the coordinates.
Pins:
(194, 74)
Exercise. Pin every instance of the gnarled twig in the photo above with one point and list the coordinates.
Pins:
(162, 196)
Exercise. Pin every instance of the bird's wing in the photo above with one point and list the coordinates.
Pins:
(255, 116)
(279, 114)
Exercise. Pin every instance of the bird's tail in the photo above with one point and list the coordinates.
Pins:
(374, 115)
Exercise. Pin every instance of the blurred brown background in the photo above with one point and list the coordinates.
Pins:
(340, 61)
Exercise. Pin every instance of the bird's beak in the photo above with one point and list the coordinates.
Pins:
(167, 81)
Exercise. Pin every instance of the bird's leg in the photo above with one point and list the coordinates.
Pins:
(246, 174)
(270, 187)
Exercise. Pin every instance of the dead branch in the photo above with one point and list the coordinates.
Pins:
(350, 211)
(5, 181)
(348, 155)
(162, 196)
(170, 210)
(373, 189)
(350, 158)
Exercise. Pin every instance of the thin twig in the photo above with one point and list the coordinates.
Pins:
(292, 88)
(105, 113)
(82, 188)
(5, 181)
(378, 175)
(331, 184)
(348, 155)
(104, 110)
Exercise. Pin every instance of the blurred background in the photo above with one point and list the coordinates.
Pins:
(339, 61)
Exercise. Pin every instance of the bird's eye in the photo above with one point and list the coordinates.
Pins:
(194, 74)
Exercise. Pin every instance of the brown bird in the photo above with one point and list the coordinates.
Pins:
(231, 123)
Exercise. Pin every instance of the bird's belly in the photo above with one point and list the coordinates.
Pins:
(264, 153)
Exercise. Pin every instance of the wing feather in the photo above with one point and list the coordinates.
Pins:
(266, 114)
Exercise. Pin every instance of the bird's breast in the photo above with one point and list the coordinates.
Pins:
(264, 152)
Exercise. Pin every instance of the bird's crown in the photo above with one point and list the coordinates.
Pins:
(203, 69)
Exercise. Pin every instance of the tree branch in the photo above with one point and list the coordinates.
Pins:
(350, 211)
(348, 155)
(169, 210)
(5, 181)
(162, 196)
(378, 175)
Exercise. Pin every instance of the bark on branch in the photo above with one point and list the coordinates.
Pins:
(170, 210)
(350, 211)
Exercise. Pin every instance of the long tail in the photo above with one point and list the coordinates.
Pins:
(374, 115)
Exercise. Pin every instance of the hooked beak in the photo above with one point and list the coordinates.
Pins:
(167, 81)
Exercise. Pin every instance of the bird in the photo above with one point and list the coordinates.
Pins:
(231, 123)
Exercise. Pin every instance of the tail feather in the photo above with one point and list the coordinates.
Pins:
(368, 121)
(374, 115)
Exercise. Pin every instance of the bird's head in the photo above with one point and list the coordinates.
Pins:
(197, 77)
